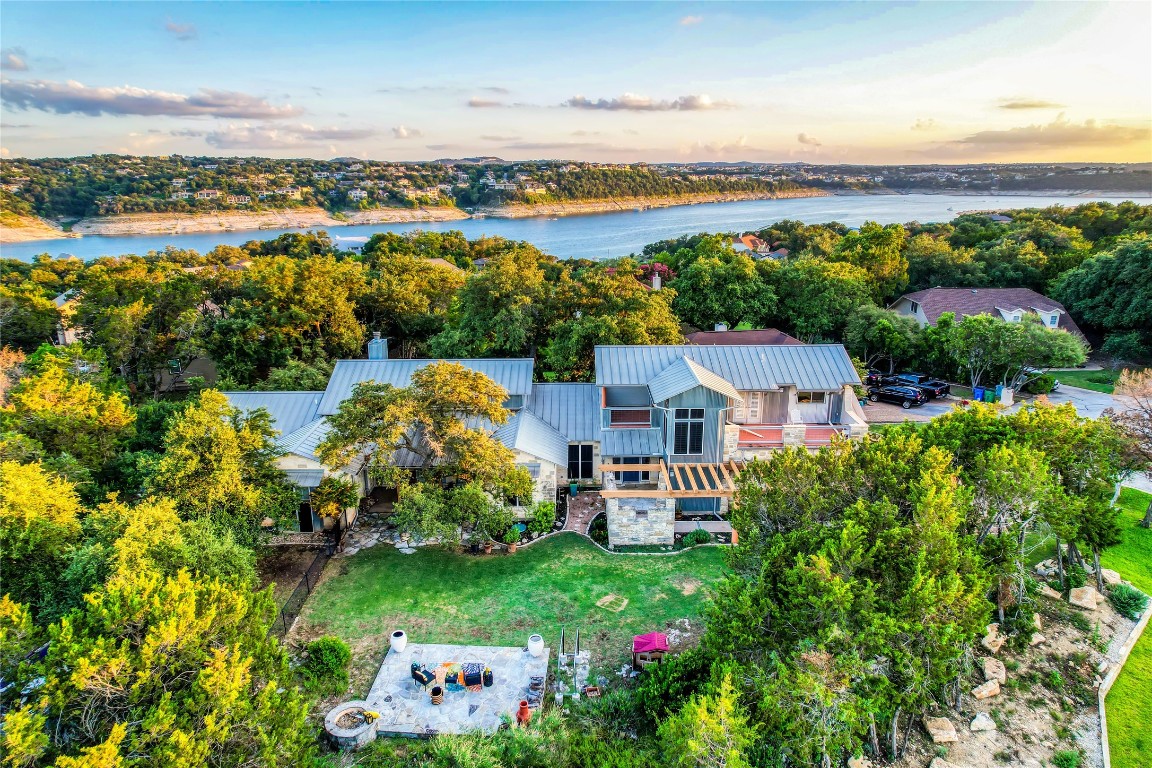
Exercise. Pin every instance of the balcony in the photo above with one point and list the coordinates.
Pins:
(758, 437)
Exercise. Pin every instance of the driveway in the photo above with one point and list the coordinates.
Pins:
(889, 413)
(1088, 403)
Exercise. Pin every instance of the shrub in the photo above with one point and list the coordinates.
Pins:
(664, 687)
(1055, 680)
(1067, 758)
(1128, 601)
(326, 668)
(543, 515)
(1076, 576)
(598, 530)
(695, 538)
(1041, 385)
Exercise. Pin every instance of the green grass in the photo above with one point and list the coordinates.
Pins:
(1130, 700)
(1097, 381)
(441, 597)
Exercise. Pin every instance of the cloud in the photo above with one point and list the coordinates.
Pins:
(404, 132)
(281, 136)
(496, 89)
(567, 146)
(632, 103)
(479, 103)
(738, 148)
(186, 132)
(500, 138)
(807, 140)
(691, 21)
(1023, 103)
(444, 147)
(583, 132)
(926, 124)
(1059, 133)
(13, 60)
(72, 97)
(14, 126)
(181, 31)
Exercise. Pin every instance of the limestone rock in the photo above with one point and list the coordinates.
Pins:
(1037, 639)
(351, 551)
(941, 730)
(987, 690)
(860, 762)
(993, 641)
(1048, 592)
(939, 762)
(1110, 577)
(994, 670)
(1036, 622)
(1084, 597)
(983, 722)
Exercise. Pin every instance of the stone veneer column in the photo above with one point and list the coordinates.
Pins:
(793, 434)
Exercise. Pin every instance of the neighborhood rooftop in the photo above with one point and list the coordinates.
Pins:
(962, 302)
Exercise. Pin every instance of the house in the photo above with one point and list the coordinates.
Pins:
(663, 430)
(181, 195)
(1009, 304)
(208, 194)
(357, 195)
(66, 303)
(725, 337)
(239, 199)
(749, 244)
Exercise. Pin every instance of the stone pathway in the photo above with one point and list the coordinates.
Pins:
(581, 509)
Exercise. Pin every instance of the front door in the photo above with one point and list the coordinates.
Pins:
(304, 516)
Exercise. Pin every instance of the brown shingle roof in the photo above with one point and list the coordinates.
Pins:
(731, 338)
(987, 301)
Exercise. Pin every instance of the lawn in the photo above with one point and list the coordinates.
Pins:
(1097, 381)
(441, 597)
(1130, 700)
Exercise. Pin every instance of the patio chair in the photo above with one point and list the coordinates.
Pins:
(421, 676)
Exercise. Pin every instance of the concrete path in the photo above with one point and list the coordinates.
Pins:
(1088, 403)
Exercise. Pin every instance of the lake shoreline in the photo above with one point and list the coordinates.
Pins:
(35, 229)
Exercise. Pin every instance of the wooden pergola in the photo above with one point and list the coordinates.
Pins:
(679, 481)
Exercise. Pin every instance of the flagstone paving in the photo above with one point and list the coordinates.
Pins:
(406, 708)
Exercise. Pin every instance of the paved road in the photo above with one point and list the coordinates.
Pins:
(1088, 403)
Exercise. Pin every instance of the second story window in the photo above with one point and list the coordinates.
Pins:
(688, 431)
(621, 417)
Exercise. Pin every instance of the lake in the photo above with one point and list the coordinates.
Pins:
(596, 236)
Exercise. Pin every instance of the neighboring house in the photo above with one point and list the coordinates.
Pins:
(239, 199)
(749, 244)
(208, 194)
(357, 194)
(65, 333)
(1009, 304)
(724, 337)
(678, 422)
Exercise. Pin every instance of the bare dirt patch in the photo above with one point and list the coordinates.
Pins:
(688, 586)
(613, 603)
(283, 567)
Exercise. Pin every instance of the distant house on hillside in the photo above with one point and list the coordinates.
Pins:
(724, 337)
(750, 244)
(1009, 304)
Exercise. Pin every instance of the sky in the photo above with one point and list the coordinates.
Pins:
(865, 82)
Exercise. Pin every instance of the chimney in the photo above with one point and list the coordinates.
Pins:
(720, 327)
(656, 282)
(378, 347)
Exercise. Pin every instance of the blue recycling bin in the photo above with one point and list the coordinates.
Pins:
(978, 394)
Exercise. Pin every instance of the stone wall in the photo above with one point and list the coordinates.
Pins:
(640, 521)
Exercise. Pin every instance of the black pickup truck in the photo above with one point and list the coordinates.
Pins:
(932, 388)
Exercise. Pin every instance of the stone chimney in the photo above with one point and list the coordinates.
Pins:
(377, 347)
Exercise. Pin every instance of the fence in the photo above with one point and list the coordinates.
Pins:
(295, 602)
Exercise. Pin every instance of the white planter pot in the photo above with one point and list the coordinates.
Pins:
(535, 645)
(399, 641)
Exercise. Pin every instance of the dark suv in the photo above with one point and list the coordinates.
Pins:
(932, 388)
(905, 397)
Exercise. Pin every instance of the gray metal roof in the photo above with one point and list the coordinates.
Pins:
(303, 441)
(685, 374)
(824, 367)
(306, 478)
(289, 410)
(514, 375)
(528, 433)
(573, 410)
(631, 442)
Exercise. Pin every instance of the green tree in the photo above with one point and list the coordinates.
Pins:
(879, 336)
(816, 297)
(709, 731)
(723, 288)
(1111, 291)
(986, 346)
(878, 250)
(933, 262)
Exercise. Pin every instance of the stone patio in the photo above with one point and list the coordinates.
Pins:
(406, 709)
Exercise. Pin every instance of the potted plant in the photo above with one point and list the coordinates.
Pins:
(512, 539)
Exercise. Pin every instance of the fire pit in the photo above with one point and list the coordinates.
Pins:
(348, 725)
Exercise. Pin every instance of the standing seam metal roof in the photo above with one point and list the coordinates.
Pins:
(684, 374)
(289, 410)
(631, 442)
(528, 433)
(515, 375)
(573, 410)
(824, 367)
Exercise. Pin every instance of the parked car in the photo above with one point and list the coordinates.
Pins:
(932, 388)
(1035, 373)
(905, 397)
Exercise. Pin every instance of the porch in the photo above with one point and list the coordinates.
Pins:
(757, 437)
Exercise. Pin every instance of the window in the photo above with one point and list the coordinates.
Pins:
(752, 402)
(913, 307)
(688, 432)
(810, 397)
(632, 477)
(1053, 320)
(620, 417)
(580, 462)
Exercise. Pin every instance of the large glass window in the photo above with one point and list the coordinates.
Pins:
(632, 477)
(580, 462)
(688, 432)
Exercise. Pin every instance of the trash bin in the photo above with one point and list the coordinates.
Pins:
(978, 394)
(989, 395)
